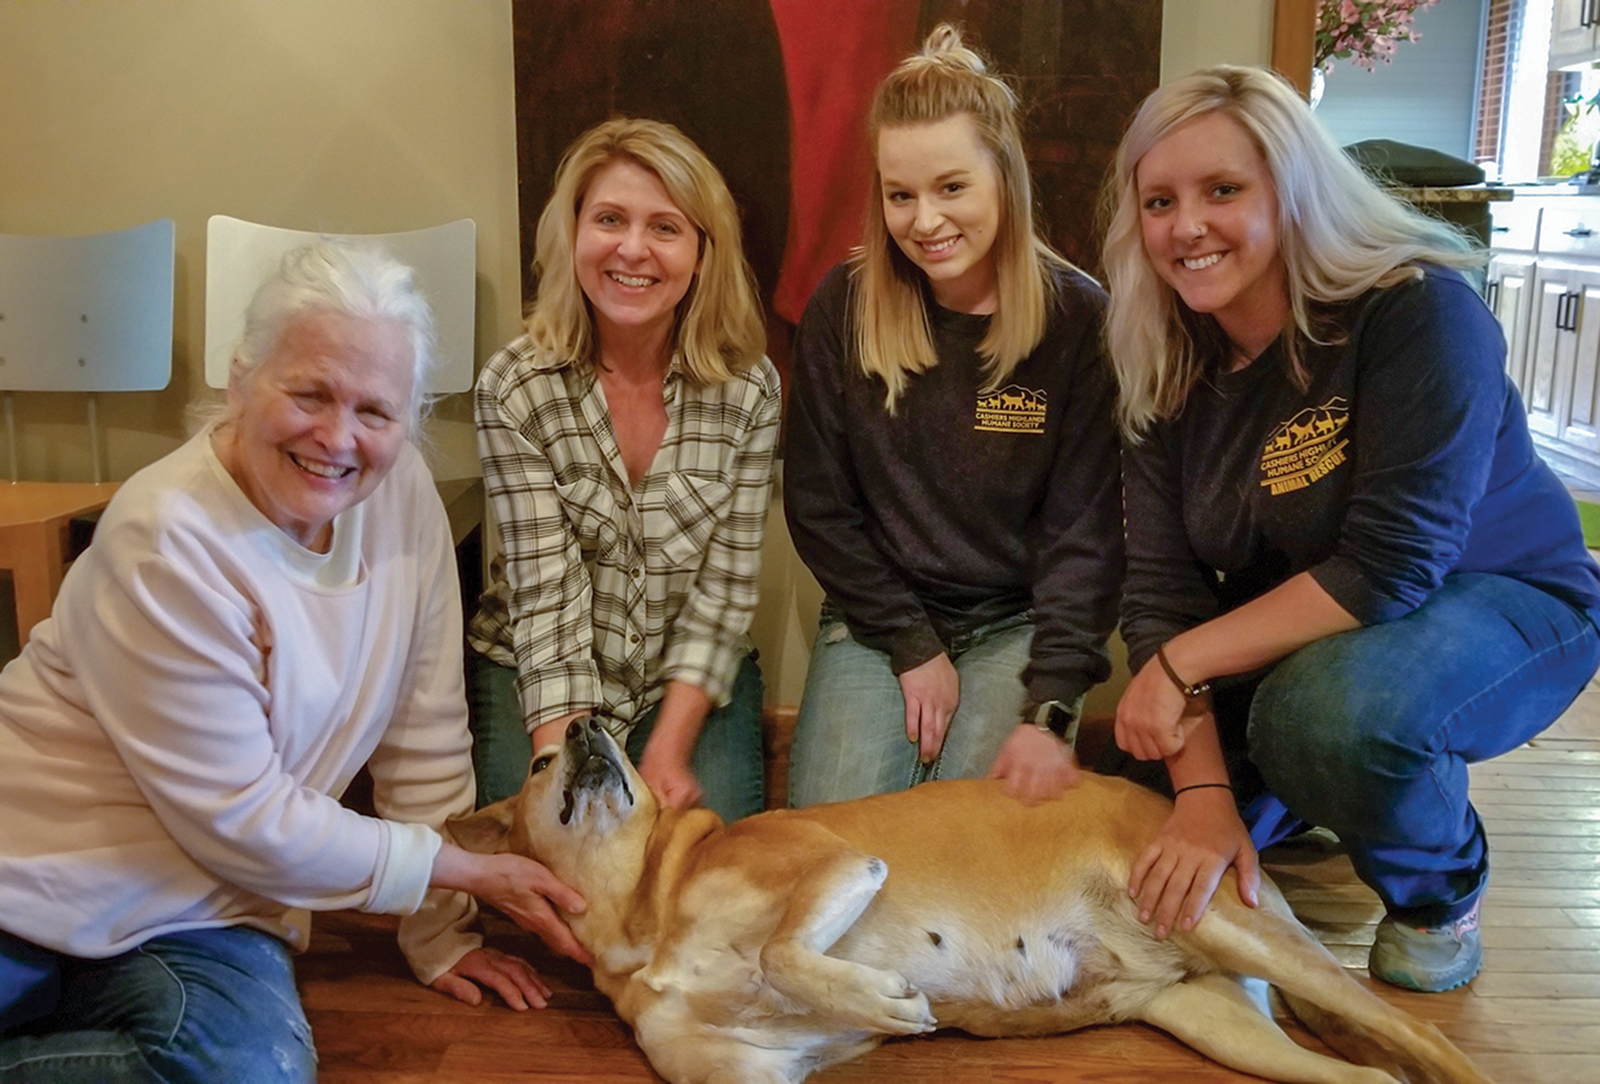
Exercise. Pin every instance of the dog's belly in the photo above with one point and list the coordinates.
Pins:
(1012, 919)
(1056, 962)
(1052, 966)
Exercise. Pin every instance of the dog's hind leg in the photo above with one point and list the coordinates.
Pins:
(826, 902)
(1214, 1014)
(684, 1049)
(1269, 944)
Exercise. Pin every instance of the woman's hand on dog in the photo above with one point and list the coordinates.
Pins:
(932, 690)
(1035, 764)
(525, 891)
(671, 779)
(512, 977)
(667, 766)
(1175, 876)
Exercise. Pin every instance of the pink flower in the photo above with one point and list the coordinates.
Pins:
(1364, 31)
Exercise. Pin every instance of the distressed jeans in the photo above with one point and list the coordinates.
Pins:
(196, 1007)
(850, 734)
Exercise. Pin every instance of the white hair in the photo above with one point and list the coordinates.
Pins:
(356, 281)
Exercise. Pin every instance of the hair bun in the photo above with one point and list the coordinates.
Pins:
(944, 45)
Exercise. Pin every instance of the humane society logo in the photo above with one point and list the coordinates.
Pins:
(1306, 448)
(1011, 409)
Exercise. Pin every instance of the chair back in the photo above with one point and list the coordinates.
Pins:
(87, 314)
(240, 255)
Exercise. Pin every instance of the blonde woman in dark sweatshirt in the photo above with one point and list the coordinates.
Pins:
(950, 473)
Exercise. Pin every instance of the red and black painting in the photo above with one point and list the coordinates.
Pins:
(776, 92)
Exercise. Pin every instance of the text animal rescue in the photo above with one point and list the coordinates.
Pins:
(1306, 447)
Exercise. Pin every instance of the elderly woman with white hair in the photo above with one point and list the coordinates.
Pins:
(1349, 573)
(261, 613)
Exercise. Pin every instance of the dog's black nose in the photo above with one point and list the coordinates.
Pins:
(574, 728)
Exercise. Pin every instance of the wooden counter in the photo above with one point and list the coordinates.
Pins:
(34, 519)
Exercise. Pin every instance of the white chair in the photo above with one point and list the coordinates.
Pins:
(77, 314)
(240, 255)
(85, 314)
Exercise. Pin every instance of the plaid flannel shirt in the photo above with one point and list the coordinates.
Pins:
(603, 591)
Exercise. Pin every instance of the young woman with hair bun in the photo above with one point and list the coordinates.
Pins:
(951, 471)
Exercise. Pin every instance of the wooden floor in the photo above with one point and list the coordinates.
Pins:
(1531, 1017)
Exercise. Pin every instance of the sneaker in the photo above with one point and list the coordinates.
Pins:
(1430, 959)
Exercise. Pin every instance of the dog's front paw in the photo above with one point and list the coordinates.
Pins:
(895, 1007)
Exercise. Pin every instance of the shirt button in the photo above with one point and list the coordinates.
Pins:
(633, 637)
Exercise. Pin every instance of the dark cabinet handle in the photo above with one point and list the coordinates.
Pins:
(1499, 229)
(1579, 231)
(1567, 312)
(1491, 294)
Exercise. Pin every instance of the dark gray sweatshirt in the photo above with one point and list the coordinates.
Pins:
(965, 506)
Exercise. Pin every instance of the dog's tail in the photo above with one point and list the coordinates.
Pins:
(1269, 944)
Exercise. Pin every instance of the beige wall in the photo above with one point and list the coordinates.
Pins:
(1199, 33)
(348, 116)
(355, 116)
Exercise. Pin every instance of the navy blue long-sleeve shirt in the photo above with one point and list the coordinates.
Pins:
(1408, 458)
(964, 507)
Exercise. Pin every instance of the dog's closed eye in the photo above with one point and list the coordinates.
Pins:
(541, 763)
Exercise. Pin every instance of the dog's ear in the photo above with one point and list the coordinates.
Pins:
(487, 831)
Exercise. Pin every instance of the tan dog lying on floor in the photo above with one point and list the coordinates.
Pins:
(759, 952)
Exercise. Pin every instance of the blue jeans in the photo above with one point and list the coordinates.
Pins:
(727, 759)
(1369, 733)
(850, 734)
(196, 1007)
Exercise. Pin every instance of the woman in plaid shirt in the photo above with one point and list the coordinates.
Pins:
(627, 446)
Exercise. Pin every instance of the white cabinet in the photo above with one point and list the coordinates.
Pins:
(1546, 293)
(1508, 285)
(1509, 292)
(1563, 361)
(1574, 32)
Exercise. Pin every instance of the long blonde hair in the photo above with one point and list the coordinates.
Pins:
(1339, 234)
(719, 328)
(892, 336)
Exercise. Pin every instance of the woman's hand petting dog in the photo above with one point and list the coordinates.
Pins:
(670, 777)
(1176, 875)
(1035, 764)
(932, 691)
(512, 977)
(667, 766)
(520, 888)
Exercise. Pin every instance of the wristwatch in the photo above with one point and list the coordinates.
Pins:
(1058, 718)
